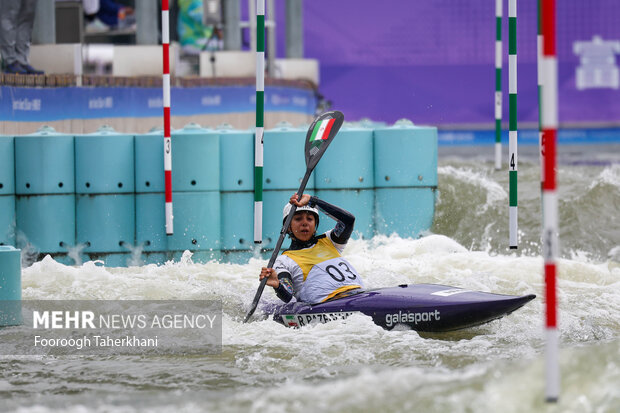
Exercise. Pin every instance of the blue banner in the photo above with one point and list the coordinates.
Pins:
(23, 104)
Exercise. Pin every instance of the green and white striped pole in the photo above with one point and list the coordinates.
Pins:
(539, 60)
(498, 84)
(260, 116)
(512, 133)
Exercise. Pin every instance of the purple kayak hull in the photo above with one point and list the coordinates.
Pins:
(421, 307)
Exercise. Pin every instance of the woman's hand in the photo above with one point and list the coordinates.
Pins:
(305, 199)
(272, 275)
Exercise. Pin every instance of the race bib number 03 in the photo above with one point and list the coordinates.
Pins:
(341, 271)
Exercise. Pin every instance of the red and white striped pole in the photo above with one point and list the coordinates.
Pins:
(550, 198)
(165, 42)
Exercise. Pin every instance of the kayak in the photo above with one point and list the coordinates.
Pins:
(420, 307)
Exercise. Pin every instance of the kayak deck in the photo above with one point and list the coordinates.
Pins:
(421, 307)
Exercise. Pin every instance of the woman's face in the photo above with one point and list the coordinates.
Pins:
(303, 225)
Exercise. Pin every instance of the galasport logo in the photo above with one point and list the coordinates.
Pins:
(407, 317)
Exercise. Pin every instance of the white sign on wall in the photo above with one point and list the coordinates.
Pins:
(597, 67)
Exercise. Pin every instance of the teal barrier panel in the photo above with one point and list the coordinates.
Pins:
(104, 162)
(150, 198)
(359, 202)
(405, 155)
(196, 221)
(236, 159)
(10, 287)
(405, 178)
(105, 185)
(44, 163)
(7, 219)
(150, 222)
(7, 190)
(105, 223)
(7, 166)
(149, 162)
(348, 163)
(237, 220)
(45, 186)
(284, 158)
(237, 196)
(405, 211)
(47, 221)
(195, 160)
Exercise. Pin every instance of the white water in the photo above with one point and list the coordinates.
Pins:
(353, 365)
(350, 365)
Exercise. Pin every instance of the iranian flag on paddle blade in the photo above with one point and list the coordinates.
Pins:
(321, 130)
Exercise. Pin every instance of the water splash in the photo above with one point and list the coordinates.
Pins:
(30, 253)
(135, 258)
(75, 252)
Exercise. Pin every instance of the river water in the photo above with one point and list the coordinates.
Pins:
(353, 365)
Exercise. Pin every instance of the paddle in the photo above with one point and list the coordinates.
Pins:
(320, 134)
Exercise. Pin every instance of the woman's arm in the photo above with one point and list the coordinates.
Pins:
(282, 283)
(345, 220)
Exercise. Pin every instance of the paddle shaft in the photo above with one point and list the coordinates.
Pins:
(276, 249)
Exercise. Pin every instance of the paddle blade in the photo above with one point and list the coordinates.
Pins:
(320, 135)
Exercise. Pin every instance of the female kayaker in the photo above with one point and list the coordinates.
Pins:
(312, 269)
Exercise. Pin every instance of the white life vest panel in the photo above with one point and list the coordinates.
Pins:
(319, 272)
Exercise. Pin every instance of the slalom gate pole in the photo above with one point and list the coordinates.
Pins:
(165, 42)
(512, 133)
(260, 116)
(498, 84)
(539, 60)
(550, 198)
